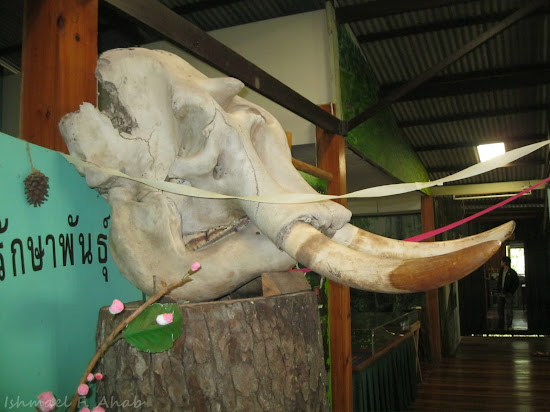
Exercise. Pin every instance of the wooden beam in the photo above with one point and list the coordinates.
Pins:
(432, 298)
(182, 33)
(58, 65)
(389, 347)
(432, 71)
(312, 170)
(306, 167)
(331, 152)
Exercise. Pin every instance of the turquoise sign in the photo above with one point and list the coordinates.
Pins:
(55, 274)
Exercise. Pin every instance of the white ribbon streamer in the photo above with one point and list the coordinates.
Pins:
(379, 191)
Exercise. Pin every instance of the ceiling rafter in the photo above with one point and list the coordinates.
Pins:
(528, 211)
(202, 6)
(476, 82)
(485, 188)
(9, 66)
(441, 25)
(10, 50)
(383, 8)
(521, 140)
(458, 167)
(474, 115)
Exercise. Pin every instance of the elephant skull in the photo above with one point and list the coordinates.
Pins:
(168, 122)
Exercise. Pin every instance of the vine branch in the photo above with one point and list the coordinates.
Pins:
(111, 339)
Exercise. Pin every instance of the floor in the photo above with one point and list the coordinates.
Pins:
(489, 374)
(519, 321)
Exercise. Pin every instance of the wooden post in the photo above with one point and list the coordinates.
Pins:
(58, 64)
(432, 297)
(331, 156)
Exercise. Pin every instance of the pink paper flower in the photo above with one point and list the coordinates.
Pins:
(116, 307)
(90, 377)
(83, 389)
(195, 266)
(46, 402)
(85, 409)
(165, 319)
(98, 409)
(99, 376)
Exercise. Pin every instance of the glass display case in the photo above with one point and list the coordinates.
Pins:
(372, 331)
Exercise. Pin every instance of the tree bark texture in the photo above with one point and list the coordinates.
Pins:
(257, 354)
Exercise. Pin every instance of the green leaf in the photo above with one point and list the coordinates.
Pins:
(145, 334)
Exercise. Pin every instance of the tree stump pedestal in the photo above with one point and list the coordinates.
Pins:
(255, 354)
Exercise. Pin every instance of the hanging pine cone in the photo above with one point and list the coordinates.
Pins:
(36, 188)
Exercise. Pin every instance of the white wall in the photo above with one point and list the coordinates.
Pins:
(405, 203)
(292, 49)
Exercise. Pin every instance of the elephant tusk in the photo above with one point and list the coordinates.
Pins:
(361, 240)
(379, 273)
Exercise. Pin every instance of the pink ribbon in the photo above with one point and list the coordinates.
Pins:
(443, 229)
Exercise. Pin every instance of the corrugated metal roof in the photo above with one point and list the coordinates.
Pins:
(472, 117)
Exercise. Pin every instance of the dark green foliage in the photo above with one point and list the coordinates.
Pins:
(359, 90)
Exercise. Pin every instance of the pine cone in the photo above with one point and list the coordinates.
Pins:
(36, 188)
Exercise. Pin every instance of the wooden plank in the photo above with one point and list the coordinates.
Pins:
(283, 283)
(432, 297)
(58, 63)
(331, 157)
(488, 374)
(306, 167)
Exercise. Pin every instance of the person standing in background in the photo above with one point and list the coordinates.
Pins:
(508, 283)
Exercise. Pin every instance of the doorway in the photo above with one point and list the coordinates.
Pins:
(516, 252)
